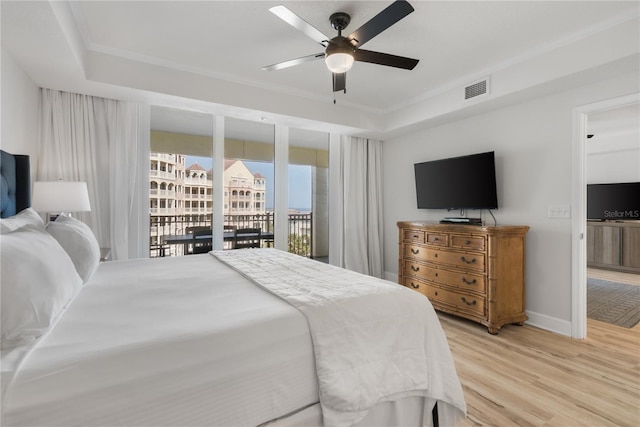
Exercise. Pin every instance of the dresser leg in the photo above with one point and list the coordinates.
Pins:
(492, 331)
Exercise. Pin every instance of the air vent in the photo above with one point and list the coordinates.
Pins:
(476, 89)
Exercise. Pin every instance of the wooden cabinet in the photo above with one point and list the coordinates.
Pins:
(470, 271)
(614, 245)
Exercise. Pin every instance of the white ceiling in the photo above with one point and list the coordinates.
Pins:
(72, 45)
(232, 40)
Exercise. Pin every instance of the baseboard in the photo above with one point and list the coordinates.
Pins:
(392, 277)
(552, 324)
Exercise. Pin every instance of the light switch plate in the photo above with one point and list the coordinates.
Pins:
(559, 211)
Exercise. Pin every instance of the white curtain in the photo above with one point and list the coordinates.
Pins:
(362, 206)
(92, 139)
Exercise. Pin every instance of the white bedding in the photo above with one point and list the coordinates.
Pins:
(374, 341)
(188, 341)
(173, 341)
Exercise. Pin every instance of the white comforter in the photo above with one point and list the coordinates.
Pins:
(373, 340)
(166, 342)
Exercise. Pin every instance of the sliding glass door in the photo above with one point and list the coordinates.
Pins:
(190, 191)
(180, 184)
(249, 182)
(308, 193)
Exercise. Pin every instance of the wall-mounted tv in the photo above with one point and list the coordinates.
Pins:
(620, 201)
(466, 182)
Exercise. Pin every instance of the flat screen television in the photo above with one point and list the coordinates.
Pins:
(620, 201)
(466, 182)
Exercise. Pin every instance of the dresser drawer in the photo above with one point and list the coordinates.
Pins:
(415, 252)
(464, 260)
(462, 280)
(461, 301)
(413, 268)
(440, 239)
(413, 236)
(457, 279)
(416, 285)
(467, 242)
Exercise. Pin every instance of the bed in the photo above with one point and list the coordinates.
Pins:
(251, 337)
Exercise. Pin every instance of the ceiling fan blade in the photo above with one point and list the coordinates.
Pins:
(295, 21)
(292, 62)
(383, 20)
(340, 82)
(385, 59)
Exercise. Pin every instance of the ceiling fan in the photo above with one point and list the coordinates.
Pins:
(340, 52)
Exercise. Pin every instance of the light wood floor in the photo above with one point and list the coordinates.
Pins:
(526, 376)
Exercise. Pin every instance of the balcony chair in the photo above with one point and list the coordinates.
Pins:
(200, 246)
(247, 238)
(228, 244)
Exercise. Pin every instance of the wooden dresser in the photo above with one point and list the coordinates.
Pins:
(471, 271)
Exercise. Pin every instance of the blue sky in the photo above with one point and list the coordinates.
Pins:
(299, 180)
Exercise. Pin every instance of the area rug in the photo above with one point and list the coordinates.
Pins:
(612, 302)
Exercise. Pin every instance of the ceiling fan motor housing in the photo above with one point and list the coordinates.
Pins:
(339, 20)
(339, 44)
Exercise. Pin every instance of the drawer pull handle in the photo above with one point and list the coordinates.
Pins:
(467, 242)
(415, 268)
(436, 293)
(415, 236)
(467, 302)
(435, 239)
(436, 274)
(435, 255)
(472, 282)
(414, 286)
(471, 261)
(415, 251)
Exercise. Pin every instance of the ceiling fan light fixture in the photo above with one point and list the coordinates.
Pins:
(339, 62)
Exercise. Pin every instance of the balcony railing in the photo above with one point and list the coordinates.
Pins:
(300, 230)
(162, 174)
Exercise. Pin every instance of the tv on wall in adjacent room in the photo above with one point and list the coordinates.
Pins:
(613, 202)
(466, 182)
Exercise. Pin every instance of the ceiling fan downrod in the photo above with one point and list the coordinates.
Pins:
(339, 21)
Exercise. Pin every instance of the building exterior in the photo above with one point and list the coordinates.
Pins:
(244, 192)
(180, 197)
(197, 191)
(166, 183)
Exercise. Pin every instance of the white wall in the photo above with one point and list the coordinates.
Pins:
(618, 144)
(19, 120)
(613, 167)
(532, 141)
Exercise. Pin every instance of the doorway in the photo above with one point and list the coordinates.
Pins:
(579, 221)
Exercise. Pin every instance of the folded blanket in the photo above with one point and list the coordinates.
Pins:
(373, 340)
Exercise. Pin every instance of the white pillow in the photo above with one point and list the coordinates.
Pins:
(79, 242)
(25, 217)
(38, 280)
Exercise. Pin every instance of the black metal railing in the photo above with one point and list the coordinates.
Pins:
(301, 234)
(300, 230)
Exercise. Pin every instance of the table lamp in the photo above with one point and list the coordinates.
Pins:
(60, 197)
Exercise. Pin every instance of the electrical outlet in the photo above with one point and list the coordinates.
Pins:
(559, 211)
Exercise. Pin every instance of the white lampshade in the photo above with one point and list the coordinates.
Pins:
(339, 62)
(60, 196)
